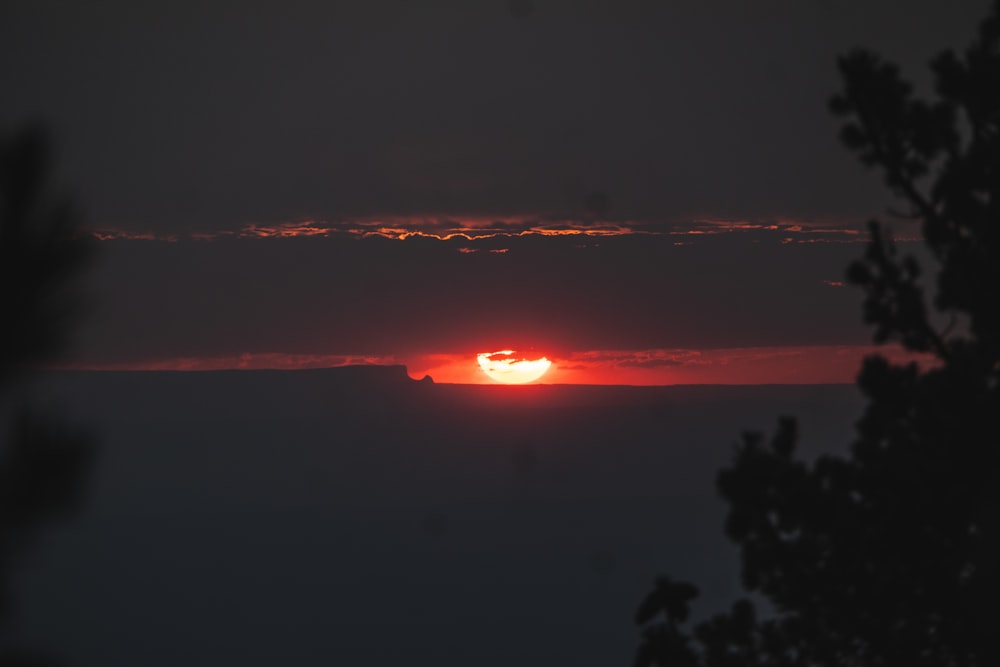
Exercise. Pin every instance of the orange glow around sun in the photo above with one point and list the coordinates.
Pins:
(505, 367)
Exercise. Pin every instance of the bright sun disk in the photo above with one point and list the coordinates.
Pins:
(504, 367)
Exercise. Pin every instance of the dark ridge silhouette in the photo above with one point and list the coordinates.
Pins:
(367, 376)
(371, 376)
(358, 383)
(253, 515)
(43, 460)
(890, 555)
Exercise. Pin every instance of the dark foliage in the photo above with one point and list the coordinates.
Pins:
(43, 463)
(41, 252)
(888, 556)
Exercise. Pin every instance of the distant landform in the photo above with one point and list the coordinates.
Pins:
(357, 516)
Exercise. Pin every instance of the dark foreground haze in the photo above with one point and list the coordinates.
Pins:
(357, 517)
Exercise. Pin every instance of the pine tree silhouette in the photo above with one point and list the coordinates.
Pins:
(887, 556)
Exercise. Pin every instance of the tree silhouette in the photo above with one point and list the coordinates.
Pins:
(43, 462)
(887, 556)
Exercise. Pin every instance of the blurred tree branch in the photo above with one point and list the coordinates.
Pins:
(43, 462)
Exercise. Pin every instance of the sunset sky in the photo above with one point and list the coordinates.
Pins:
(643, 191)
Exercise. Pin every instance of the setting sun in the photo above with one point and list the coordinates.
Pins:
(504, 366)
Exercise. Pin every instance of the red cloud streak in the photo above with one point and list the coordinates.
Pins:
(759, 365)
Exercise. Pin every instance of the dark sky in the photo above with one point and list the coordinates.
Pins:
(198, 119)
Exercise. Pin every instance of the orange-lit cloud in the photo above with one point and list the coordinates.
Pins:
(286, 230)
(103, 234)
(478, 228)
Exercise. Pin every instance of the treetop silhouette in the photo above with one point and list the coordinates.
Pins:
(887, 556)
